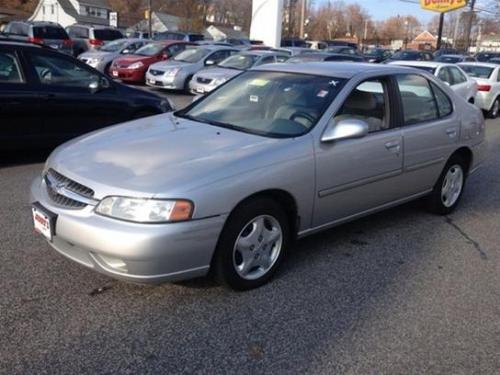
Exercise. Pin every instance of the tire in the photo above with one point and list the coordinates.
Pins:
(252, 245)
(449, 188)
(495, 109)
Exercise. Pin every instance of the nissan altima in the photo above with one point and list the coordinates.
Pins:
(278, 153)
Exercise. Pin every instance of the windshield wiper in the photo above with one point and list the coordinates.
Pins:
(207, 121)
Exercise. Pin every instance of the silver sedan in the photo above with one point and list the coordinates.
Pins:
(279, 152)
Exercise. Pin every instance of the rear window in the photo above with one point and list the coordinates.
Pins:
(49, 32)
(477, 71)
(78, 32)
(196, 37)
(107, 34)
(428, 69)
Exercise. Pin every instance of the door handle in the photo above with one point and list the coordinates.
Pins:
(393, 146)
(451, 132)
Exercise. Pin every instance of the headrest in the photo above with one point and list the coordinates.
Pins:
(361, 100)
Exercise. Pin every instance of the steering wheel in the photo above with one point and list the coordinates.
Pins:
(304, 115)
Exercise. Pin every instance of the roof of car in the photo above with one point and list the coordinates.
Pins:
(260, 52)
(423, 64)
(332, 69)
(483, 64)
(7, 41)
(453, 55)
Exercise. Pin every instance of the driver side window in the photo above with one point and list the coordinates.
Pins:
(368, 102)
(58, 71)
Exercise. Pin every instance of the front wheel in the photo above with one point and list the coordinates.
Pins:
(252, 244)
(449, 187)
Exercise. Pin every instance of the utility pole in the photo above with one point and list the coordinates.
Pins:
(302, 18)
(150, 26)
(440, 31)
(468, 30)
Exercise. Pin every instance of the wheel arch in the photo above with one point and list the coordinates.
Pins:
(465, 153)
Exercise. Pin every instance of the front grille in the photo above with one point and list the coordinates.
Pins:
(204, 80)
(54, 181)
(156, 72)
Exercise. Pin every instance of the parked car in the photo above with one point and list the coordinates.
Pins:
(133, 68)
(209, 79)
(293, 42)
(453, 59)
(102, 58)
(333, 43)
(178, 72)
(91, 37)
(293, 51)
(316, 44)
(49, 34)
(486, 56)
(377, 55)
(47, 97)
(450, 74)
(138, 35)
(410, 55)
(345, 50)
(175, 35)
(487, 76)
(324, 56)
(495, 60)
(445, 51)
(238, 42)
(279, 152)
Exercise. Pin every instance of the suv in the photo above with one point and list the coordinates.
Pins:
(41, 32)
(47, 97)
(87, 37)
(171, 35)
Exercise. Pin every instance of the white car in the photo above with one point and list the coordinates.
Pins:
(451, 74)
(487, 77)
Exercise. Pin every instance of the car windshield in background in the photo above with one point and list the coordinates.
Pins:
(115, 46)
(477, 71)
(192, 55)
(105, 34)
(484, 57)
(49, 32)
(272, 104)
(405, 56)
(240, 62)
(449, 59)
(150, 49)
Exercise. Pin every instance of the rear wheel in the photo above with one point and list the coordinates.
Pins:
(449, 187)
(495, 108)
(252, 244)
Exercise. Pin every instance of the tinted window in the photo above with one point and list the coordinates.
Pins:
(107, 34)
(281, 58)
(49, 32)
(443, 102)
(58, 71)
(10, 71)
(267, 60)
(78, 32)
(196, 37)
(240, 62)
(18, 29)
(368, 103)
(418, 100)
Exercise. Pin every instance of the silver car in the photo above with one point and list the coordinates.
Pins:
(208, 79)
(175, 74)
(101, 59)
(280, 152)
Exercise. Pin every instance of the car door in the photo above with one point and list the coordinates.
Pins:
(358, 175)
(70, 106)
(430, 131)
(19, 105)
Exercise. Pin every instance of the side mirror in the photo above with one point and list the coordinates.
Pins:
(344, 129)
(126, 51)
(209, 62)
(94, 87)
(98, 85)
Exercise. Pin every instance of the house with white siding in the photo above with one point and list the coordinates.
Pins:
(69, 12)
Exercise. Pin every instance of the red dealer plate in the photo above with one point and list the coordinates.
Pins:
(43, 221)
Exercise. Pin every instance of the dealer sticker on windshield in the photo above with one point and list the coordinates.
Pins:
(254, 98)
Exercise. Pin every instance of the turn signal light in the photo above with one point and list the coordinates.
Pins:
(485, 88)
(96, 42)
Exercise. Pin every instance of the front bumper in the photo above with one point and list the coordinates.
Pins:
(172, 83)
(128, 75)
(198, 88)
(484, 100)
(142, 253)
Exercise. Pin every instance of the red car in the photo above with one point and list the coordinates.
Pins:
(132, 68)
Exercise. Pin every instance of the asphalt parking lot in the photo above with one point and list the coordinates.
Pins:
(400, 292)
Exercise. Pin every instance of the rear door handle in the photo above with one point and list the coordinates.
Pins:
(451, 132)
(393, 146)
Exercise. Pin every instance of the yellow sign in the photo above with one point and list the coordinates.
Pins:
(442, 6)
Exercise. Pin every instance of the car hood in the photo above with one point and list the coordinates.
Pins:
(217, 73)
(130, 59)
(171, 64)
(160, 156)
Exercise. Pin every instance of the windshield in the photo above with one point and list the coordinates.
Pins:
(150, 49)
(449, 59)
(192, 55)
(272, 104)
(407, 55)
(477, 71)
(374, 52)
(49, 32)
(240, 62)
(115, 46)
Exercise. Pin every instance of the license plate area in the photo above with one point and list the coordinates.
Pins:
(44, 221)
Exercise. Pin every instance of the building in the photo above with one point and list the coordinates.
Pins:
(160, 22)
(69, 12)
(223, 33)
(424, 41)
(7, 15)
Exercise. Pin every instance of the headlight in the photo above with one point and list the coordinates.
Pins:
(172, 72)
(136, 65)
(219, 81)
(145, 210)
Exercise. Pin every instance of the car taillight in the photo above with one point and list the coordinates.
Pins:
(96, 42)
(35, 40)
(485, 88)
(68, 42)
